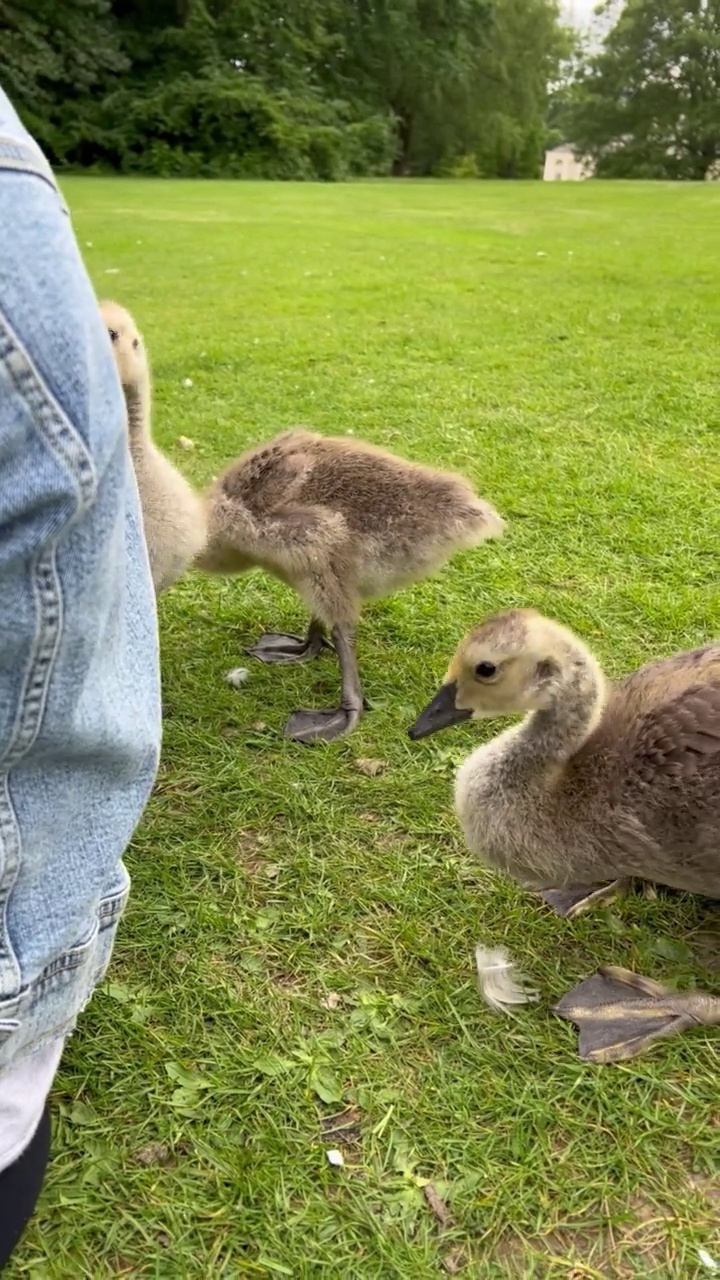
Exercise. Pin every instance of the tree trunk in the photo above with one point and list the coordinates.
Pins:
(703, 160)
(401, 163)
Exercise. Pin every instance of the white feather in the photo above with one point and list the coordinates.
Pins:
(237, 677)
(499, 982)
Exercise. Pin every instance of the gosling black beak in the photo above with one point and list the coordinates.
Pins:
(439, 714)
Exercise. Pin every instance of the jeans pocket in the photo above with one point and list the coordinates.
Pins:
(48, 1008)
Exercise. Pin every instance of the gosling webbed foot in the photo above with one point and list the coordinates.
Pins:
(321, 725)
(277, 647)
(335, 722)
(619, 1014)
(573, 901)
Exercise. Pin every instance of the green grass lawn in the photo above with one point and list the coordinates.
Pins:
(299, 944)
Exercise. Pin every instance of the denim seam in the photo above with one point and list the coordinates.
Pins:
(32, 701)
(56, 428)
(70, 450)
(49, 614)
(62, 967)
(10, 975)
(22, 157)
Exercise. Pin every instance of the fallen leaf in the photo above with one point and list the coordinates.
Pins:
(154, 1153)
(371, 768)
(438, 1206)
(81, 1113)
(186, 443)
(272, 1064)
(187, 1079)
(454, 1262)
(325, 1084)
(120, 992)
(331, 1001)
(672, 949)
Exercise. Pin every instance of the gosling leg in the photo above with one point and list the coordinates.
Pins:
(571, 902)
(620, 1014)
(277, 647)
(327, 725)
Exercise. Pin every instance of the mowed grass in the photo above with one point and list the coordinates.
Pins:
(299, 944)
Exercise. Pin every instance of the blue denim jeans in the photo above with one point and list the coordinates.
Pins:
(79, 676)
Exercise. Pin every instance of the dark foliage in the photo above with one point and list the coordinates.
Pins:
(321, 89)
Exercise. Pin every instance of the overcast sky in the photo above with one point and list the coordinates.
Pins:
(579, 10)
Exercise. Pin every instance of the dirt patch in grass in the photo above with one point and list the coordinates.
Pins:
(638, 1243)
(342, 1128)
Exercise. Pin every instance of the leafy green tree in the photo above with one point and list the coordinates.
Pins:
(416, 59)
(525, 48)
(54, 52)
(283, 88)
(648, 103)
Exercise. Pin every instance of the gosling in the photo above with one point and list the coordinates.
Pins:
(597, 783)
(173, 514)
(341, 522)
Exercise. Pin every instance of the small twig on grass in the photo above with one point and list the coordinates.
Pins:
(438, 1206)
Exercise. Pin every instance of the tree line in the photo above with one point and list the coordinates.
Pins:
(285, 88)
(646, 102)
(329, 89)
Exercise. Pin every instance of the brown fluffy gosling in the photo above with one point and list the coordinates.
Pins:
(599, 782)
(340, 521)
(173, 514)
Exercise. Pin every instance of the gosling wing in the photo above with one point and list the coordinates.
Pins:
(676, 738)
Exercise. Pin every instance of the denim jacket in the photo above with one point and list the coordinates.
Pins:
(79, 679)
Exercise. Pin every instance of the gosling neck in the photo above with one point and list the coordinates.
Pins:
(137, 401)
(556, 732)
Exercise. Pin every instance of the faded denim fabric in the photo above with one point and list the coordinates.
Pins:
(79, 676)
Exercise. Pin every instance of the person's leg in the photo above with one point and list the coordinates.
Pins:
(24, 1140)
(79, 679)
(20, 1186)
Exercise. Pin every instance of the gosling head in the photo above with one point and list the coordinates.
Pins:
(127, 344)
(509, 665)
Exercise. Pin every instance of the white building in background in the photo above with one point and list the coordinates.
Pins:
(561, 165)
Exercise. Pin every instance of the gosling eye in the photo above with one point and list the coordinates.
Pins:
(135, 343)
(114, 335)
(484, 670)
